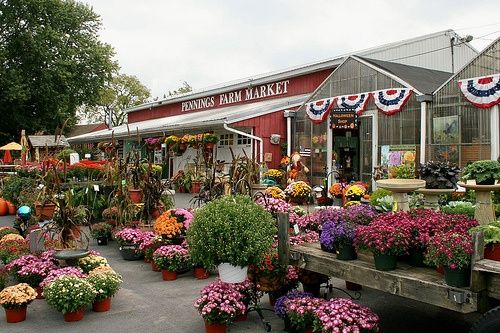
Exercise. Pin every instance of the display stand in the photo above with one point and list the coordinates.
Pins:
(485, 211)
(71, 256)
(431, 196)
(400, 189)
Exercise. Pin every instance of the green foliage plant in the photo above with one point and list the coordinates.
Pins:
(482, 171)
(231, 229)
(459, 207)
(106, 283)
(491, 232)
(15, 187)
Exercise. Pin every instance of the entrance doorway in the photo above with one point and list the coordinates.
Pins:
(346, 154)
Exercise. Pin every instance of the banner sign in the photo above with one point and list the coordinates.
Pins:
(357, 102)
(318, 110)
(391, 101)
(343, 119)
(483, 92)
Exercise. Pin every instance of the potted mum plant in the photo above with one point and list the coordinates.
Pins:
(171, 259)
(341, 235)
(453, 251)
(15, 300)
(70, 295)
(439, 174)
(485, 172)
(129, 240)
(219, 304)
(300, 313)
(298, 192)
(231, 232)
(269, 275)
(106, 283)
(385, 240)
(169, 226)
(90, 262)
(101, 232)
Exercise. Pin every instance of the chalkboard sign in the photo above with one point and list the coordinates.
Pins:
(343, 119)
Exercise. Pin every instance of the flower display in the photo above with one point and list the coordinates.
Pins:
(11, 237)
(101, 269)
(183, 216)
(171, 257)
(270, 266)
(17, 296)
(274, 205)
(301, 310)
(150, 245)
(334, 234)
(308, 221)
(153, 141)
(450, 249)
(274, 174)
(100, 230)
(343, 315)
(298, 189)
(129, 236)
(13, 249)
(337, 189)
(69, 270)
(382, 236)
(354, 192)
(172, 139)
(7, 230)
(279, 306)
(220, 302)
(90, 262)
(275, 192)
(168, 226)
(362, 214)
(69, 293)
(106, 283)
(110, 213)
(31, 269)
(305, 237)
(188, 138)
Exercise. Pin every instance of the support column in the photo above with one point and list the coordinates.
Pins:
(423, 118)
(329, 154)
(494, 129)
(374, 144)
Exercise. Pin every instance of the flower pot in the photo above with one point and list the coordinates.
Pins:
(154, 267)
(209, 146)
(195, 187)
(101, 241)
(45, 211)
(16, 315)
(135, 195)
(416, 257)
(168, 275)
(74, 316)
(457, 277)
(489, 181)
(128, 252)
(201, 273)
(102, 306)
(39, 292)
(324, 248)
(385, 262)
(4, 208)
(267, 283)
(346, 252)
(215, 327)
(492, 252)
(232, 274)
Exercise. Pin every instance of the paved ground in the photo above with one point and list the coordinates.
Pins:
(147, 304)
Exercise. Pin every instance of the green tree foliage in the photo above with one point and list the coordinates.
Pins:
(181, 90)
(122, 92)
(51, 61)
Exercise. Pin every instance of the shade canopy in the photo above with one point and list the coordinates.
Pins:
(12, 146)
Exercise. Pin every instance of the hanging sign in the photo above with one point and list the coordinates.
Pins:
(357, 102)
(343, 119)
(318, 110)
(483, 92)
(391, 101)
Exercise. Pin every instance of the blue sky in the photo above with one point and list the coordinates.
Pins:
(166, 42)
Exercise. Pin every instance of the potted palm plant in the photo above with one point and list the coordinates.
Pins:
(485, 172)
(231, 232)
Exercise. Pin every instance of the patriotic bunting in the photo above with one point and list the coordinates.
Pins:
(391, 101)
(483, 92)
(318, 110)
(356, 102)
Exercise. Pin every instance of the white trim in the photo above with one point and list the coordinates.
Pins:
(495, 135)
(423, 128)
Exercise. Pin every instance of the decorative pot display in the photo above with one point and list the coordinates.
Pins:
(102, 306)
(232, 274)
(385, 262)
(15, 315)
(45, 211)
(168, 275)
(135, 195)
(74, 316)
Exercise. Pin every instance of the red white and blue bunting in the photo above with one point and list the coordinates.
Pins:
(318, 110)
(391, 101)
(356, 102)
(483, 92)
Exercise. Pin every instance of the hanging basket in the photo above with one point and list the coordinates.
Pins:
(232, 274)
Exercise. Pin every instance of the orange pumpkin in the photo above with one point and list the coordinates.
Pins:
(11, 207)
(4, 209)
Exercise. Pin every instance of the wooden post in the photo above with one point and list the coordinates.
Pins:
(478, 279)
(283, 238)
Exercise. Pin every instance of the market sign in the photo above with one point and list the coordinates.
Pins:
(343, 119)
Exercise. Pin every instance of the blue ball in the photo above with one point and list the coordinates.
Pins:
(24, 212)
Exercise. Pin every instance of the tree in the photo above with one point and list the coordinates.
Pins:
(182, 90)
(122, 92)
(51, 61)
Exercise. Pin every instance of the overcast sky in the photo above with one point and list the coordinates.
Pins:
(165, 42)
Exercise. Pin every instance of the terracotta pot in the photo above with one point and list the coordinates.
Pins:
(215, 327)
(195, 187)
(74, 316)
(45, 211)
(201, 273)
(492, 252)
(102, 306)
(135, 195)
(154, 267)
(168, 275)
(15, 315)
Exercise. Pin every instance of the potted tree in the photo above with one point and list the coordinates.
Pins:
(485, 172)
(231, 232)
(135, 173)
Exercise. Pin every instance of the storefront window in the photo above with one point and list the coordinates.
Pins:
(226, 139)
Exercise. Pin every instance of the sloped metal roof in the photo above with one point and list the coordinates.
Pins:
(214, 118)
(48, 140)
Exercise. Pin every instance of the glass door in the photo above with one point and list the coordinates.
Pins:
(366, 148)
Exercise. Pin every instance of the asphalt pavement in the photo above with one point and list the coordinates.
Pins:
(146, 303)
